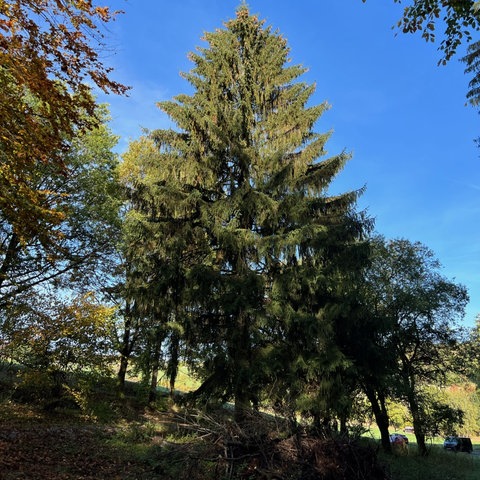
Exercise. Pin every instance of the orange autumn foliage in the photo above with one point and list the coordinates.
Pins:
(49, 51)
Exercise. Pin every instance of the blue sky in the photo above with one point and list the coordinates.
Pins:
(402, 117)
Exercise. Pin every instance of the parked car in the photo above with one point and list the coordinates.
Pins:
(458, 444)
(398, 438)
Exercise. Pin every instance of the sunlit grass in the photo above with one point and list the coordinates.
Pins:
(185, 381)
(438, 465)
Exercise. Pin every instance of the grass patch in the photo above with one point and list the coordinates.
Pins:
(439, 465)
(119, 435)
(184, 382)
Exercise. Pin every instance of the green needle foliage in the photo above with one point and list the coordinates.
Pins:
(236, 199)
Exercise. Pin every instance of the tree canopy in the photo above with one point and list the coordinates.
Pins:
(83, 239)
(237, 198)
(216, 243)
(49, 54)
(459, 19)
(420, 309)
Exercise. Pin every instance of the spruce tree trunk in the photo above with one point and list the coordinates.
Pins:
(343, 425)
(242, 403)
(172, 368)
(122, 371)
(156, 357)
(125, 348)
(241, 366)
(152, 396)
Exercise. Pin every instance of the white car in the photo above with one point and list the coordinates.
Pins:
(398, 438)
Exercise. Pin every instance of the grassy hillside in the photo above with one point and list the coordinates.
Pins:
(100, 433)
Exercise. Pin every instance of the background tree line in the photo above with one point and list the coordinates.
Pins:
(218, 245)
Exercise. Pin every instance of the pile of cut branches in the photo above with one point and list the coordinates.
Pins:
(259, 449)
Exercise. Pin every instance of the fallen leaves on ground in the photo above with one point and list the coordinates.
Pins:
(65, 452)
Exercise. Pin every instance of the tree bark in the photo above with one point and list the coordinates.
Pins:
(172, 367)
(122, 371)
(418, 426)
(152, 395)
(380, 413)
(10, 255)
(126, 347)
(240, 347)
(415, 408)
(156, 357)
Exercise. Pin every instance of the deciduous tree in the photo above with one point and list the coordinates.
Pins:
(422, 308)
(54, 334)
(459, 18)
(88, 201)
(472, 60)
(49, 57)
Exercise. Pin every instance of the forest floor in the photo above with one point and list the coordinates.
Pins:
(118, 437)
(39, 445)
(151, 445)
(35, 445)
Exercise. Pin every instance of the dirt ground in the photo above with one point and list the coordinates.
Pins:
(64, 452)
(36, 446)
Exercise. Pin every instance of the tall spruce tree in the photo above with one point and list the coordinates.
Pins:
(156, 248)
(240, 187)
